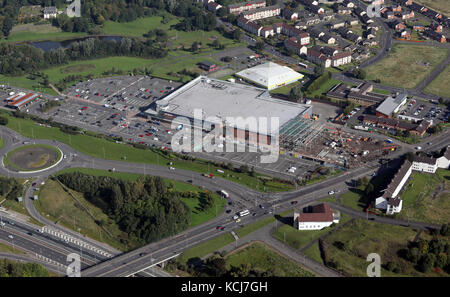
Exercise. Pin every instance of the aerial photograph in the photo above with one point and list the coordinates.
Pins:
(224, 146)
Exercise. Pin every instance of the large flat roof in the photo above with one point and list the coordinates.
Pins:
(270, 75)
(225, 99)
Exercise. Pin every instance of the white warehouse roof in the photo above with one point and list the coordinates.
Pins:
(391, 104)
(270, 75)
(225, 99)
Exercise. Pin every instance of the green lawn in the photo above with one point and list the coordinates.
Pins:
(101, 148)
(138, 27)
(58, 206)
(425, 200)
(299, 238)
(6, 248)
(206, 248)
(246, 230)
(324, 88)
(263, 258)
(2, 142)
(286, 89)
(314, 253)
(43, 32)
(354, 199)
(439, 5)
(360, 238)
(8, 162)
(440, 86)
(403, 67)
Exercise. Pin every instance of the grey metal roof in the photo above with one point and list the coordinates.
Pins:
(390, 104)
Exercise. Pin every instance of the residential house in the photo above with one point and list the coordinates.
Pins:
(315, 217)
(50, 12)
(213, 6)
(435, 36)
(294, 44)
(327, 38)
(352, 22)
(262, 13)
(246, 6)
(290, 14)
(337, 24)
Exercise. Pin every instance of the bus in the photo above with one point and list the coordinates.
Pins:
(224, 194)
(244, 213)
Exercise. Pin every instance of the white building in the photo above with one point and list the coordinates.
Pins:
(50, 12)
(389, 200)
(318, 217)
(270, 75)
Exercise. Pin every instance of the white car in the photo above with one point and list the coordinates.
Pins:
(330, 192)
(172, 168)
(418, 147)
(235, 217)
(10, 236)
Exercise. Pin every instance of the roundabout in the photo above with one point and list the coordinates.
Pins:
(32, 158)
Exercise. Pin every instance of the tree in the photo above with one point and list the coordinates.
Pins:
(217, 266)
(195, 46)
(296, 93)
(359, 73)
(259, 46)
(3, 120)
(369, 189)
(7, 26)
(319, 70)
(237, 34)
(445, 231)
(426, 263)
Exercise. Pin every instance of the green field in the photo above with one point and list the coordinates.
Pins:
(440, 86)
(206, 248)
(163, 68)
(43, 32)
(360, 238)
(314, 253)
(2, 142)
(403, 67)
(244, 231)
(138, 27)
(58, 206)
(263, 258)
(8, 162)
(324, 88)
(101, 148)
(299, 238)
(427, 198)
(6, 248)
(439, 5)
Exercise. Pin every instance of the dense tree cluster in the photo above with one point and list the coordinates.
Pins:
(10, 268)
(145, 208)
(427, 255)
(19, 59)
(10, 187)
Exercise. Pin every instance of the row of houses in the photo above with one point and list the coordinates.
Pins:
(428, 12)
(328, 57)
(279, 28)
(389, 200)
(433, 31)
(394, 124)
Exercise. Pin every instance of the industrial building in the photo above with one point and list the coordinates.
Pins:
(391, 105)
(270, 75)
(223, 99)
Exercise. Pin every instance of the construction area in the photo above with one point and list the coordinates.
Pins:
(314, 140)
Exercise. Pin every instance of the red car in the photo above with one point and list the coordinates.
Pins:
(148, 134)
(141, 135)
(141, 142)
(84, 108)
(219, 227)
